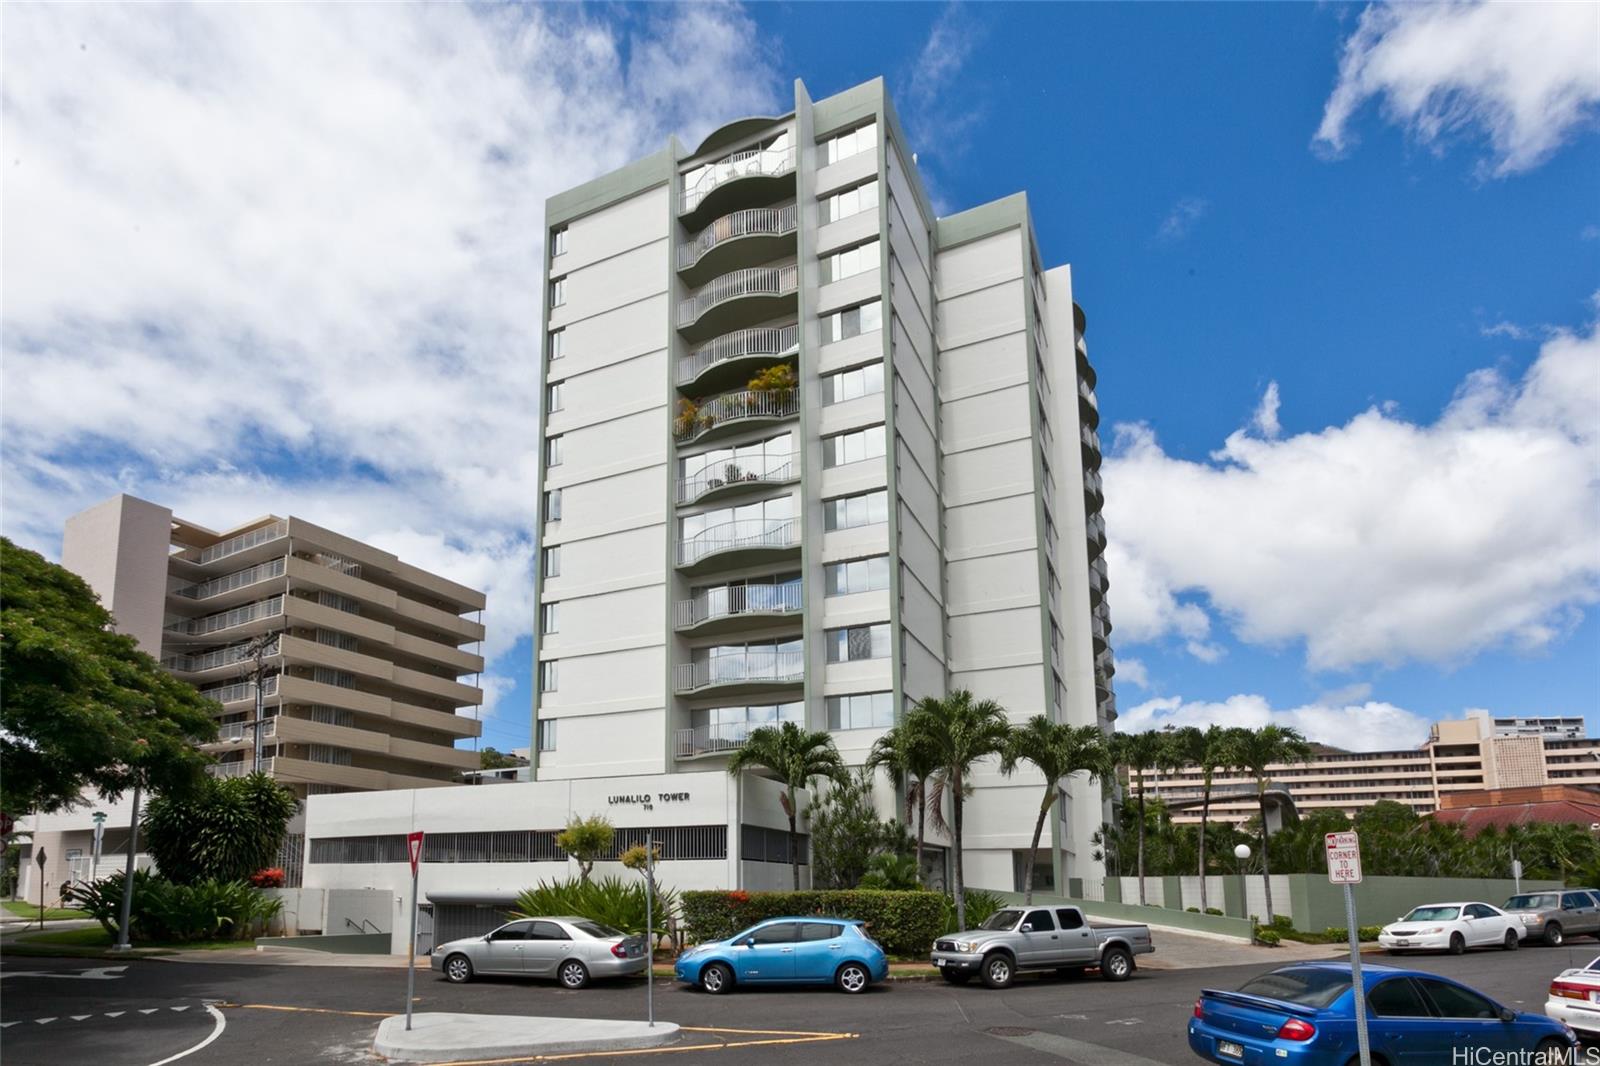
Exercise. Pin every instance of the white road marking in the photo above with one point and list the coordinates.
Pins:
(1074, 1017)
(81, 1017)
(6, 1025)
(98, 973)
(115, 1013)
(222, 1023)
(184, 1007)
(149, 1010)
(1079, 1050)
(42, 1021)
(1126, 1021)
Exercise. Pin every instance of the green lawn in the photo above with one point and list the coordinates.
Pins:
(31, 911)
(97, 938)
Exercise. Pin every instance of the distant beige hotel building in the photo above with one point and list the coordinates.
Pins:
(369, 660)
(1468, 755)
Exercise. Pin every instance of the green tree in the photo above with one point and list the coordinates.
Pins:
(80, 705)
(493, 759)
(586, 839)
(889, 872)
(846, 832)
(1206, 750)
(1059, 751)
(796, 757)
(1256, 751)
(909, 761)
(225, 830)
(1138, 752)
(958, 731)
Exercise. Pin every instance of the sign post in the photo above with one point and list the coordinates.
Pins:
(99, 837)
(40, 859)
(1344, 868)
(414, 849)
(649, 927)
(1516, 876)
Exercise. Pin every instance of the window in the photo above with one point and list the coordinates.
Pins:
(856, 446)
(1478, 910)
(550, 618)
(849, 262)
(558, 344)
(746, 520)
(547, 734)
(552, 561)
(1397, 998)
(1308, 986)
(852, 321)
(856, 575)
(820, 931)
(853, 201)
(547, 931)
(858, 643)
(777, 933)
(552, 451)
(863, 710)
(1069, 918)
(852, 512)
(558, 242)
(514, 931)
(555, 397)
(844, 145)
(1041, 922)
(549, 671)
(552, 505)
(1453, 1001)
(1574, 900)
(558, 292)
(852, 384)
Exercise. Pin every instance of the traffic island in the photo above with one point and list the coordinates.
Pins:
(450, 1037)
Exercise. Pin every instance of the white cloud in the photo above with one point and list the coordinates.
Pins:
(1369, 726)
(287, 257)
(1381, 540)
(1132, 672)
(1182, 218)
(1591, 232)
(1526, 75)
(1266, 417)
(937, 103)
(1356, 692)
(1504, 329)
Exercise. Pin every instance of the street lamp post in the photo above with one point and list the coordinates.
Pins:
(1242, 853)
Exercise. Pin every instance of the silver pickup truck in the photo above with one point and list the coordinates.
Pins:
(1018, 939)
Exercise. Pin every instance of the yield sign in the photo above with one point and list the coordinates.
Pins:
(414, 848)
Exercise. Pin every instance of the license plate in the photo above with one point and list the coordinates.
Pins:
(938, 962)
(1230, 1049)
(1594, 997)
(1402, 943)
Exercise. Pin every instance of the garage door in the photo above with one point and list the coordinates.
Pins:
(454, 921)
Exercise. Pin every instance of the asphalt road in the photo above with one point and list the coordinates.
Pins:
(58, 1011)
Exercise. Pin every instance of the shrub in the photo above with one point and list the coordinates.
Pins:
(1192, 910)
(1215, 910)
(777, 378)
(1282, 923)
(586, 839)
(1368, 932)
(227, 830)
(980, 905)
(162, 910)
(271, 877)
(1268, 937)
(890, 872)
(607, 900)
(905, 923)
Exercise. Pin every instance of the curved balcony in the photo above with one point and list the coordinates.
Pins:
(716, 739)
(753, 670)
(742, 238)
(1088, 406)
(729, 478)
(1090, 442)
(1097, 586)
(740, 542)
(1085, 369)
(1093, 490)
(746, 178)
(736, 606)
(1105, 665)
(739, 299)
(723, 415)
(732, 357)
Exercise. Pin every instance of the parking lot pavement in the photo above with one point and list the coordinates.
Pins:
(299, 1015)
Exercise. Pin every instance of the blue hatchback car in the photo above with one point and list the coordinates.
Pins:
(1304, 1015)
(788, 951)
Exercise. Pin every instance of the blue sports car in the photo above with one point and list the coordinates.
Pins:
(816, 951)
(1304, 1015)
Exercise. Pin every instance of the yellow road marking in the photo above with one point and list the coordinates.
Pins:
(311, 1010)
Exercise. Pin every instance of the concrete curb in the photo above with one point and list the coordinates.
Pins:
(448, 1037)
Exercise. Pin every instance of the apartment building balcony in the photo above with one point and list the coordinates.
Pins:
(1085, 368)
(234, 769)
(753, 670)
(732, 412)
(746, 178)
(740, 543)
(1088, 406)
(1089, 442)
(731, 478)
(1097, 630)
(736, 607)
(745, 238)
(241, 692)
(739, 299)
(240, 622)
(244, 549)
(1097, 586)
(218, 663)
(1095, 528)
(733, 357)
(702, 741)
(1094, 493)
(238, 587)
(1105, 665)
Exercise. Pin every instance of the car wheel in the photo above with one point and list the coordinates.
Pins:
(1511, 940)
(716, 979)
(1551, 1053)
(998, 970)
(1457, 944)
(1116, 964)
(956, 978)
(852, 978)
(458, 969)
(573, 974)
(1553, 934)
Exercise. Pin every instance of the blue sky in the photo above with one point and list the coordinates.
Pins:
(1353, 376)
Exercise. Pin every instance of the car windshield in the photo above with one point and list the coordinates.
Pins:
(1433, 914)
(1532, 901)
(595, 929)
(1308, 987)
(1004, 919)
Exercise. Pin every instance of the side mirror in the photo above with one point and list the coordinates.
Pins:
(1507, 1014)
(1027, 927)
(749, 941)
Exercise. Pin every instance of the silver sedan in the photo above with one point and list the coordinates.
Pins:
(573, 951)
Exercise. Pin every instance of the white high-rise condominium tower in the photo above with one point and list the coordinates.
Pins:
(811, 454)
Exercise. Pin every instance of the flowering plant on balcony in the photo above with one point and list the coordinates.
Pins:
(688, 416)
(780, 378)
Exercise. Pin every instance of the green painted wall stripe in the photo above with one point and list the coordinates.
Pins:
(612, 188)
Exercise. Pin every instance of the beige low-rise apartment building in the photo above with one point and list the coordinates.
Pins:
(366, 663)
(1471, 754)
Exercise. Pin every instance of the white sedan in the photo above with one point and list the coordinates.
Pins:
(1575, 999)
(1452, 927)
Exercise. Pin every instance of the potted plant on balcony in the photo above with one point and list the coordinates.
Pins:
(687, 418)
(778, 379)
(731, 472)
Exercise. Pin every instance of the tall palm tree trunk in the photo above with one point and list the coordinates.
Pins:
(1138, 776)
(1038, 831)
(1205, 812)
(794, 843)
(961, 899)
(922, 814)
(1266, 865)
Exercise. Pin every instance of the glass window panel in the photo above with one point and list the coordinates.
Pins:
(558, 242)
(558, 292)
(552, 452)
(552, 561)
(558, 344)
(548, 673)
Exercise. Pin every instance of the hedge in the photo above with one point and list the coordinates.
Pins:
(904, 922)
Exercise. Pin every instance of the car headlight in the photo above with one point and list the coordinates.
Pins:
(1530, 919)
(1433, 929)
(691, 952)
(966, 945)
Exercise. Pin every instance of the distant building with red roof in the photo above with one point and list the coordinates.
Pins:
(1503, 807)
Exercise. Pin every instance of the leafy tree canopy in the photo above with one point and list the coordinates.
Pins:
(225, 830)
(494, 759)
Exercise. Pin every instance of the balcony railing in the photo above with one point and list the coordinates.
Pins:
(1095, 527)
(745, 533)
(765, 162)
(753, 664)
(1093, 485)
(763, 468)
(732, 600)
(710, 739)
(232, 769)
(754, 222)
(235, 545)
(213, 623)
(752, 281)
(242, 690)
(238, 580)
(193, 664)
(737, 406)
(762, 340)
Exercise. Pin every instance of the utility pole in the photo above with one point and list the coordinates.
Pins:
(256, 653)
(123, 944)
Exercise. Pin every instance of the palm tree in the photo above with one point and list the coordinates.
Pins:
(958, 731)
(910, 764)
(795, 757)
(1138, 752)
(1208, 751)
(1254, 750)
(1059, 751)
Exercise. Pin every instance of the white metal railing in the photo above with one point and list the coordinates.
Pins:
(720, 736)
(760, 340)
(727, 601)
(733, 406)
(1086, 394)
(753, 222)
(1090, 438)
(752, 281)
(231, 769)
(766, 162)
(745, 533)
(752, 664)
(234, 653)
(768, 468)
(212, 623)
(236, 580)
(241, 690)
(1096, 529)
(235, 545)
(1092, 483)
